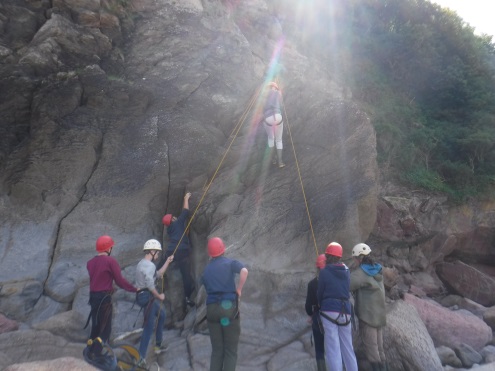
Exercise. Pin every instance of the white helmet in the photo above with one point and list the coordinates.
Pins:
(361, 249)
(152, 245)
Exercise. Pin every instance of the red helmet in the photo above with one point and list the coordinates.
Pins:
(321, 261)
(167, 219)
(104, 243)
(335, 249)
(216, 247)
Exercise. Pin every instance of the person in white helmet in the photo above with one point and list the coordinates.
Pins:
(148, 297)
(369, 292)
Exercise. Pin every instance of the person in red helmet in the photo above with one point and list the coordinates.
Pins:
(103, 270)
(273, 122)
(222, 305)
(335, 309)
(313, 310)
(175, 231)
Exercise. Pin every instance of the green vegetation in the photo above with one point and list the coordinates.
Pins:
(428, 84)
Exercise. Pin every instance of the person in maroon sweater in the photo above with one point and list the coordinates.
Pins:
(103, 271)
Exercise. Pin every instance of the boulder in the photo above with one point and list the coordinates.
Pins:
(451, 328)
(64, 363)
(489, 317)
(408, 346)
(468, 355)
(42, 346)
(448, 357)
(456, 302)
(488, 354)
(7, 324)
(468, 282)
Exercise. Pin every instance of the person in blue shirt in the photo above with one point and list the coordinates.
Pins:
(335, 310)
(222, 305)
(176, 227)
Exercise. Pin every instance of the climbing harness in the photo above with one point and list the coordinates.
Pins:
(342, 314)
(103, 305)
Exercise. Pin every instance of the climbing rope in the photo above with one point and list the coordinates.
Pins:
(234, 132)
(300, 179)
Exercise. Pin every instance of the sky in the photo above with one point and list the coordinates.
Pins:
(478, 13)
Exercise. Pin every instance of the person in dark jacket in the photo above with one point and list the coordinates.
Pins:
(335, 310)
(273, 122)
(313, 310)
(176, 227)
(222, 305)
(103, 271)
(369, 293)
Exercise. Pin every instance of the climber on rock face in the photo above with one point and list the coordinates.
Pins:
(176, 230)
(273, 122)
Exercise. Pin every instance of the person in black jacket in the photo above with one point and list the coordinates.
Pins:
(176, 227)
(312, 309)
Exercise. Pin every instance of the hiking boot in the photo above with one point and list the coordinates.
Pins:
(279, 156)
(95, 347)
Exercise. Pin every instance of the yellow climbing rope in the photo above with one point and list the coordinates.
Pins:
(300, 179)
(234, 132)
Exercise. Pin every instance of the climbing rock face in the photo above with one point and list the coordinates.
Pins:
(116, 108)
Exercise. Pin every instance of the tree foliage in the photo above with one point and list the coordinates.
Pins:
(427, 81)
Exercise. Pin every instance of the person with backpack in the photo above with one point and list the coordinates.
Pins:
(369, 292)
(103, 270)
(273, 122)
(176, 231)
(222, 305)
(149, 298)
(313, 310)
(335, 310)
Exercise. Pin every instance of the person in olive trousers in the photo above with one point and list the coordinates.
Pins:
(369, 292)
(222, 305)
